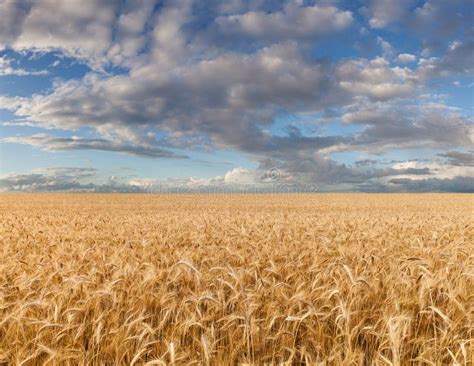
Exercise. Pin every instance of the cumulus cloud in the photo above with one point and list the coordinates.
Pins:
(13, 14)
(240, 176)
(129, 35)
(382, 13)
(405, 58)
(291, 22)
(225, 91)
(391, 125)
(376, 79)
(80, 29)
(243, 92)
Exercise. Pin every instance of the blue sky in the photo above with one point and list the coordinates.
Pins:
(122, 95)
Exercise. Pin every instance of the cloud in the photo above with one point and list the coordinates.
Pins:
(12, 103)
(129, 35)
(92, 180)
(405, 58)
(376, 79)
(438, 21)
(50, 143)
(433, 20)
(438, 170)
(429, 131)
(312, 173)
(365, 162)
(459, 158)
(243, 93)
(391, 125)
(7, 69)
(52, 179)
(387, 49)
(457, 184)
(199, 90)
(240, 176)
(290, 23)
(14, 14)
(60, 179)
(96, 32)
(318, 170)
(456, 61)
(382, 13)
(82, 29)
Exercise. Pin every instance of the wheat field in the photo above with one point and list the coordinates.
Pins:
(317, 279)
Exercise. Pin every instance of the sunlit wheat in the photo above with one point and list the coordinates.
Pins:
(248, 279)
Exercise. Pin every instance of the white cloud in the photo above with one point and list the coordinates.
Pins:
(292, 22)
(382, 13)
(437, 170)
(241, 176)
(81, 29)
(376, 79)
(95, 31)
(405, 58)
(6, 68)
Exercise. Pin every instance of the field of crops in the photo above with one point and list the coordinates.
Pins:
(327, 279)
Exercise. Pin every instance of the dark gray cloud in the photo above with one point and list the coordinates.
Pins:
(325, 172)
(13, 15)
(459, 158)
(430, 131)
(392, 125)
(456, 184)
(365, 162)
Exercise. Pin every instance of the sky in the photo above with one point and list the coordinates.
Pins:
(237, 95)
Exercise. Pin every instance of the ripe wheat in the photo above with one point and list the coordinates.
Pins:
(332, 279)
